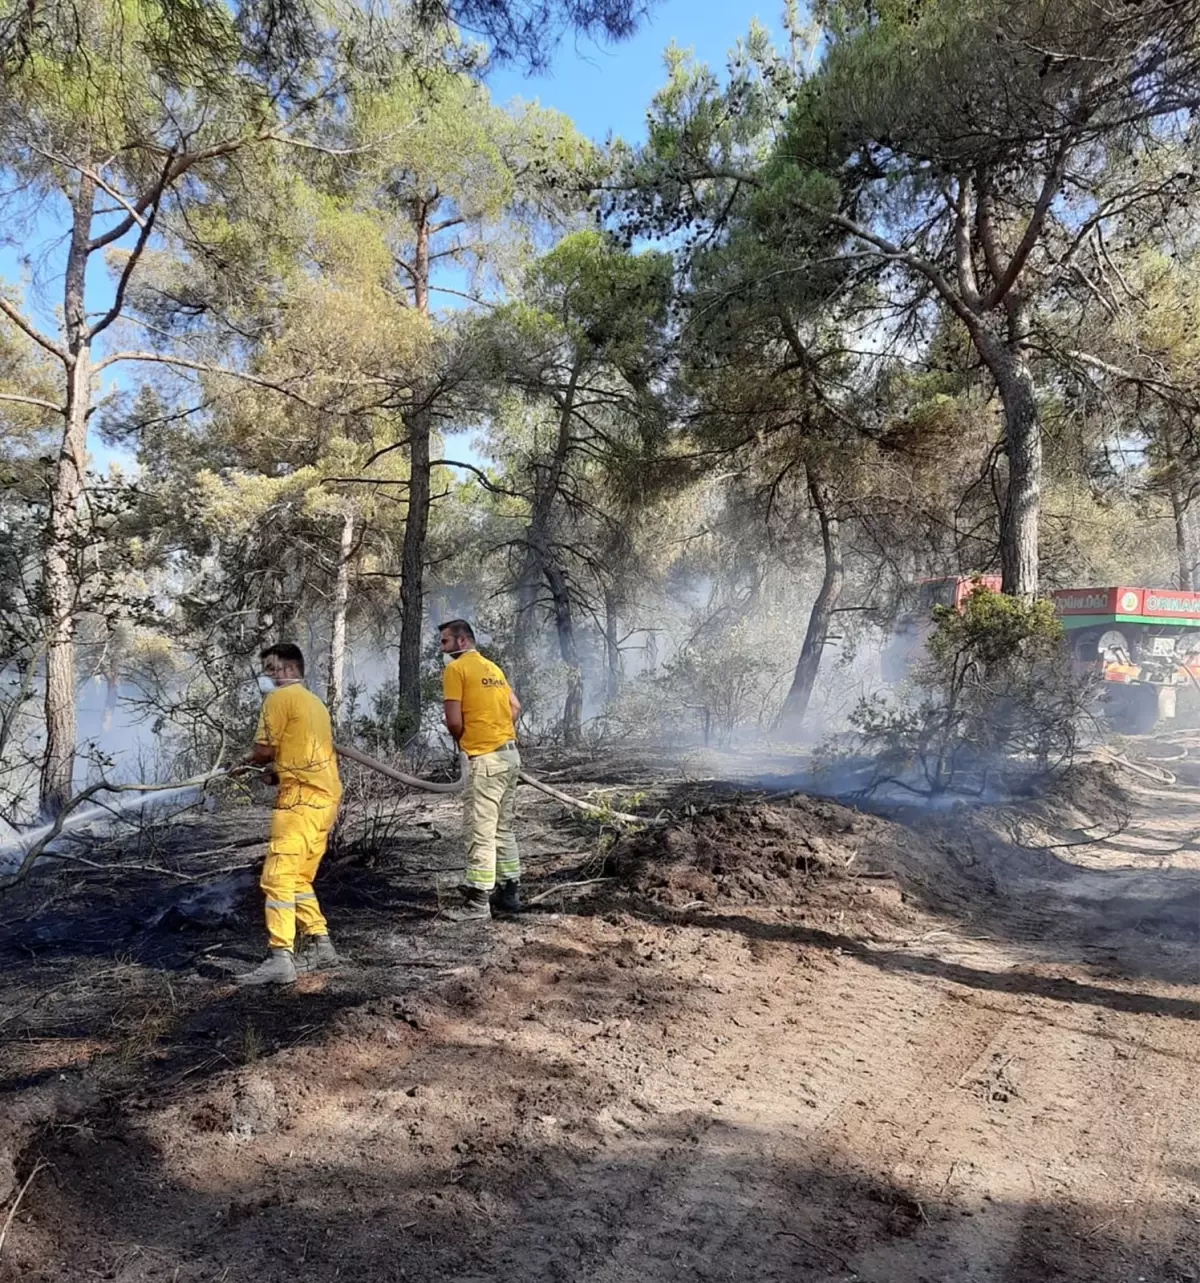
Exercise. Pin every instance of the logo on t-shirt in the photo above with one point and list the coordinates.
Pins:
(493, 681)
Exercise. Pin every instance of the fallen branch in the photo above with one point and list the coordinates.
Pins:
(152, 868)
(595, 812)
(565, 886)
(12, 1211)
(38, 848)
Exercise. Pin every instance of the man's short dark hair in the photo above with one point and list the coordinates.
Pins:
(287, 652)
(458, 628)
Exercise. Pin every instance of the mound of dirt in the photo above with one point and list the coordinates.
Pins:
(1094, 792)
(744, 852)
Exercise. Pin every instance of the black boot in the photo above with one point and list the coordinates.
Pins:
(475, 906)
(508, 897)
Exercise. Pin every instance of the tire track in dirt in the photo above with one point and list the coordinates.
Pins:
(876, 1086)
(806, 1067)
(915, 1125)
(812, 1092)
(1117, 1130)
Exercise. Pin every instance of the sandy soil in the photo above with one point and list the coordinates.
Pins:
(780, 1040)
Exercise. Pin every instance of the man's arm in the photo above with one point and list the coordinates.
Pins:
(452, 711)
(514, 705)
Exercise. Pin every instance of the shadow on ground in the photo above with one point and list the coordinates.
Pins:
(670, 1197)
(1133, 921)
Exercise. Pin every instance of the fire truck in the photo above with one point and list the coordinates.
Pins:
(1143, 643)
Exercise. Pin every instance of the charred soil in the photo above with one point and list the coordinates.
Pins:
(772, 1039)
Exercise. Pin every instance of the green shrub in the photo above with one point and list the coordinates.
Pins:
(994, 702)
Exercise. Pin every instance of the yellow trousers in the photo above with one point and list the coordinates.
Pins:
(489, 812)
(299, 835)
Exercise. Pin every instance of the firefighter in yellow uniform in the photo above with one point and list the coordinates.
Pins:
(296, 737)
(481, 712)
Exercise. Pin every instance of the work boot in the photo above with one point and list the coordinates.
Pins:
(508, 897)
(475, 907)
(279, 969)
(317, 954)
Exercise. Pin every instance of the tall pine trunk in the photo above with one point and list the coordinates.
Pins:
(336, 688)
(412, 570)
(419, 425)
(541, 566)
(63, 536)
(612, 647)
(1008, 360)
(525, 626)
(568, 650)
(1186, 553)
(1020, 515)
(795, 707)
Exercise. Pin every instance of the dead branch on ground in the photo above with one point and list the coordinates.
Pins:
(589, 808)
(12, 1211)
(38, 848)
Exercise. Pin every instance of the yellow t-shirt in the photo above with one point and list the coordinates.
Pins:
(482, 689)
(296, 725)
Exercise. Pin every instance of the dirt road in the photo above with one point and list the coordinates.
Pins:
(982, 1072)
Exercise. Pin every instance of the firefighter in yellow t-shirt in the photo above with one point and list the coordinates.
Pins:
(481, 712)
(295, 737)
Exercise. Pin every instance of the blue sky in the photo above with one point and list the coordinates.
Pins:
(607, 88)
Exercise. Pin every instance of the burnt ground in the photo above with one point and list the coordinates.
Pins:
(773, 1039)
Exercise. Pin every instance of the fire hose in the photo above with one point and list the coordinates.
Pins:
(30, 846)
(457, 786)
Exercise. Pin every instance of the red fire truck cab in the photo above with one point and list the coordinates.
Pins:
(906, 645)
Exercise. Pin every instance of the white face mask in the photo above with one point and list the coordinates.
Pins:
(266, 684)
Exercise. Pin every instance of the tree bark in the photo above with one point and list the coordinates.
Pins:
(540, 566)
(1007, 357)
(419, 425)
(529, 584)
(1020, 515)
(569, 651)
(1180, 491)
(62, 544)
(412, 569)
(1192, 533)
(612, 647)
(795, 707)
(336, 688)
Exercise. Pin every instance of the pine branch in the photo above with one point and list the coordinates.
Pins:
(32, 400)
(33, 332)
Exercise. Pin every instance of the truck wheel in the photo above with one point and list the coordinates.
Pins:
(1133, 710)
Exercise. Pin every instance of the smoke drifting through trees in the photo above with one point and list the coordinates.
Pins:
(805, 346)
